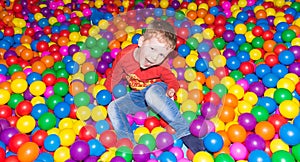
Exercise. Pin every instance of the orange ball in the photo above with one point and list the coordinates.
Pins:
(201, 13)
(211, 81)
(76, 87)
(269, 45)
(213, 52)
(192, 15)
(87, 67)
(225, 138)
(295, 28)
(261, 14)
(6, 86)
(63, 41)
(265, 129)
(25, 39)
(121, 35)
(39, 67)
(226, 114)
(18, 75)
(230, 100)
(28, 151)
(179, 62)
(209, 19)
(200, 77)
(236, 133)
(196, 95)
(48, 61)
(212, 3)
(114, 44)
(19, 49)
(224, 149)
(27, 54)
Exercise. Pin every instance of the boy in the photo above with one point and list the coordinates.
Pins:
(146, 69)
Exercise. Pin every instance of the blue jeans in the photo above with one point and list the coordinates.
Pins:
(154, 97)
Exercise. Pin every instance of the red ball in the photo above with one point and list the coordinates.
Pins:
(124, 142)
(24, 108)
(151, 123)
(57, 56)
(47, 30)
(268, 5)
(5, 111)
(246, 68)
(42, 46)
(87, 132)
(54, 37)
(17, 7)
(289, 18)
(84, 6)
(62, 80)
(251, 20)
(179, 41)
(257, 31)
(108, 139)
(279, 48)
(64, 33)
(73, 111)
(84, 31)
(34, 9)
(271, 60)
(212, 97)
(220, 20)
(268, 35)
(58, 12)
(9, 31)
(75, 20)
(10, 60)
(277, 121)
(12, 120)
(13, 158)
(30, 32)
(49, 79)
(39, 136)
(2, 154)
(23, 63)
(184, 4)
(16, 141)
(54, 48)
(183, 33)
(219, 30)
(221, 72)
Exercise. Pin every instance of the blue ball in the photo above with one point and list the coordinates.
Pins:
(69, 98)
(243, 56)
(135, 38)
(277, 37)
(3, 69)
(203, 47)
(101, 126)
(96, 148)
(289, 134)
(201, 65)
(233, 63)
(240, 39)
(33, 77)
(232, 45)
(62, 110)
(262, 69)
(167, 157)
(251, 78)
(72, 67)
(184, 50)
(38, 110)
(119, 90)
(286, 57)
(103, 97)
(45, 157)
(270, 80)
(280, 70)
(213, 142)
(158, 12)
(52, 142)
(259, 155)
(170, 12)
(296, 121)
(268, 103)
(282, 26)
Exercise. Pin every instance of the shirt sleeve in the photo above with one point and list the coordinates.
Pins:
(114, 76)
(169, 78)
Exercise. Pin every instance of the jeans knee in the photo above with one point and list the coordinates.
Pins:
(111, 108)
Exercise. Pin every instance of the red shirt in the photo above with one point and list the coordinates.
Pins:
(126, 67)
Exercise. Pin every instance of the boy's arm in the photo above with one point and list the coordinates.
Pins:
(114, 76)
(169, 78)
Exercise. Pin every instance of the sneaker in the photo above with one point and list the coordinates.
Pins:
(193, 143)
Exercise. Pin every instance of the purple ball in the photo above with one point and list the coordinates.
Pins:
(250, 13)
(175, 4)
(180, 73)
(107, 57)
(79, 150)
(258, 88)
(209, 110)
(270, 20)
(198, 127)
(38, 35)
(255, 142)
(228, 53)
(247, 120)
(151, 6)
(204, 55)
(9, 53)
(296, 51)
(141, 153)
(70, 160)
(91, 159)
(28, 95)
(93, 61)
(73, 49)
(7, 133)
(228, 35)
(185, 24)
(295, 68)
(164, 141)
(102, 66)
(109, 36)
(4, 124)
(117, 159)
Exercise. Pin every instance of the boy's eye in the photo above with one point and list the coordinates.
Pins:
(161, 55)
(152, 48)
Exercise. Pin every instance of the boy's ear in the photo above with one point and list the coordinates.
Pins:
(141, 41)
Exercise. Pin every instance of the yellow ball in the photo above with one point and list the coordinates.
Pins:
(192, 6)
(83, 113)
(251, 98)
(242, 3)
(255, 54)
(99, 113)
(26, 124)
(79, 57)
(74, 36)
(237, 90)
(203, 156)
(4, 96)
(289, 109)
(62, 154)
(249, 36)
(278, 20)
(269, 92)
(191, 60)
(37, 100)
(195, 85)
(189, 105)
(98, 3)
(18, 85)
(208, 33)
(244, 107)
(240, 29)
(155, 131)
(190, 74)
(279, 3)
(164, 4)
(139, 132)
(295, 42)
(67, 137)
(65, 123)
(204, 6)
(219, 124)
(107, 156)
(270, 12)
(103, 24)
(37, 88)
(292, 77)
(19, 22)
(227, 81)
(278, 144)
(287, 84)
(182, 95)
(77, 126)
(53, 131)
(219, 61)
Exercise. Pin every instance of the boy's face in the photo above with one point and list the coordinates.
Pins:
(151, 52)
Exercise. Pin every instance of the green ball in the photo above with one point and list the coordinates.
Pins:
(281, 156)
(91, 77)
(49, 71)
(85, 21)
(52, 101)
(164, 17)
(90, 42)
(296, 6)
(282, 94)
(219, 43)
(102, 43)
(81, 45)
(59, 65)
(250, 26)
(148, 140)
(288, 35)
(245, 47)
(220, 90)
(14, 100)
(236, 75)
(62, 73)
(192, 43)
(198, 112)
(61, 89)
(179, 15)
(258, 42)
(47, 121)
(124, 152)
(260, 113)
(205, 90)
(231, 20)
(296, 151)
(14, 68)
(152, 113)
(82, 99)
(74, 28)
(189, 116)
(96, 52)
(223, 157)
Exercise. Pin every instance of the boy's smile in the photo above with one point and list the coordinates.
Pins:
(151, 52)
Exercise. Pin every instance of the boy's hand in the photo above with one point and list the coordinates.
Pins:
(171, 92)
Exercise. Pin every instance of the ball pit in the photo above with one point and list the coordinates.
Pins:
(237, 64)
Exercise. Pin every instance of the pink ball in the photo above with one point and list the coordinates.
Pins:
(27, 71)
(114, 52)
(45, 53)
(243, 83)
(152, 160)
(61, 18)
(227, 13)
(37, 28)
(86, 53)
(86, 12)
(183, 160)
(238, 151)
(156, 153)
(49, 92)
(177, 152)
(2, 78)
(53, 5)
(250, 2)
(210, 126)
(226, 5)
(64, 50)
(140, 117)
(130, 119)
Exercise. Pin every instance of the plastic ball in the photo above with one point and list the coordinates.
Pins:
(47, 121)
(203, 156)
(223, 157)
(16, 141)
(282, 155)
(141, 153)
(108, 138)
(198, 127)
(148, 140)
(164, 141)
(26, 124)
(289, 109)
(79, 150)
(238, 151)
(119, 90)
(265, 129)
(62, 153)
(213, 142)
(29, 151)
(81, 99)
(104, 97)
(166, 156)
(288, 133)
(96, 148)
(67, 137)
(236, 133)
(52, 142)
(259, 155)
(125, 153)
